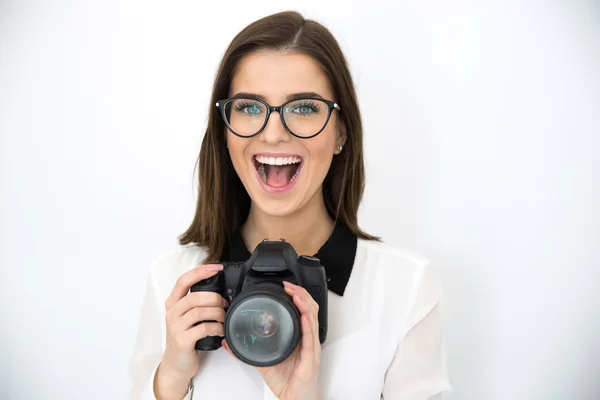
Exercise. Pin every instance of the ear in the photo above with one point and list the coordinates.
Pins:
(342, 135)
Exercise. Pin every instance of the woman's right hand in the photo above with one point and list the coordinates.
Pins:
(181, 360)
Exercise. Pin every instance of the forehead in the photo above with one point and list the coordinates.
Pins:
(275, 75)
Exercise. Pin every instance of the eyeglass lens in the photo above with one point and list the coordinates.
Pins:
(304, 117)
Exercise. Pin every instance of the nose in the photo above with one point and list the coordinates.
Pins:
(274, 131)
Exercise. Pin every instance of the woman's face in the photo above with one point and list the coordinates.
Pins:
(282, 173)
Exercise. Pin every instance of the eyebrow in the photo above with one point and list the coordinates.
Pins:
(289, 96)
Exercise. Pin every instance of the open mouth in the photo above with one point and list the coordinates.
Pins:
(277, 172)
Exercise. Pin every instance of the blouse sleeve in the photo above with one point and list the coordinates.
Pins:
(148, 349)
(418, 369)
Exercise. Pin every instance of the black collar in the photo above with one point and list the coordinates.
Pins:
(336, 255)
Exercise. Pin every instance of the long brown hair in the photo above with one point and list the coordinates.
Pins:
(223, 203)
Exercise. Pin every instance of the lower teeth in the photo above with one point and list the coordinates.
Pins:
(295, 174)
(261, 173)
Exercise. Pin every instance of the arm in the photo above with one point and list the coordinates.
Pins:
(148, 351)
(418, 369)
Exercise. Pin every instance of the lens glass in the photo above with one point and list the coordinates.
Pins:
(264, 324)
(245, 116)
(261, 329)
(305, 117)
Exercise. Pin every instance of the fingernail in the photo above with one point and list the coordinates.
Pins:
(225, 303)
(214, 267)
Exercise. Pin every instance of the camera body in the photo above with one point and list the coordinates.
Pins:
(260, 310)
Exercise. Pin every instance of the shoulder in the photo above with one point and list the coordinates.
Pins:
(385, 250)
(382, 257)
(404, 274)
(169, 265)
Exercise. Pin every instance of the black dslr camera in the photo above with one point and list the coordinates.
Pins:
(262, 324)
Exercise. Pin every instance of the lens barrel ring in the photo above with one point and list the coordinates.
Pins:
(272, 291)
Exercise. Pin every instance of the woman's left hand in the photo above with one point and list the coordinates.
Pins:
(296, 377)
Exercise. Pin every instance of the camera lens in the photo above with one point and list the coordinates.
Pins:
(263, 325)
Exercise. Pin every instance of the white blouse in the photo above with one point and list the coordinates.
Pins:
(384, 338)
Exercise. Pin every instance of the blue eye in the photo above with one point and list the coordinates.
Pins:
(248, 108)
(303, 108)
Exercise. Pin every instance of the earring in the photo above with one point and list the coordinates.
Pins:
(340, 147)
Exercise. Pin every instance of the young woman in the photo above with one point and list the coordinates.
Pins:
(282, 157)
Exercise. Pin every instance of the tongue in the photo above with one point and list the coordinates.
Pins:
(278, 175)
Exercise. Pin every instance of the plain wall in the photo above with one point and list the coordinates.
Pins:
(482, 135)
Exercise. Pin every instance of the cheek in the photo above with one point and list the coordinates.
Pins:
(237, 150)
(321, 154)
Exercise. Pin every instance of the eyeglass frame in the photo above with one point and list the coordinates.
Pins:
(331, 105)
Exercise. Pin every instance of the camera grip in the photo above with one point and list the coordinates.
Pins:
(314, 280)
(209, 343)
(214, 284)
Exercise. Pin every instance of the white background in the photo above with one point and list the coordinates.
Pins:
(482, 135)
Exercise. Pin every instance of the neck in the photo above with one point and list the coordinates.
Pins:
(306, 230)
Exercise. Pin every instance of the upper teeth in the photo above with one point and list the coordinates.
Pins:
(278, 160)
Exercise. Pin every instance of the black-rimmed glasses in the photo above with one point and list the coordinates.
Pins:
(304, 118)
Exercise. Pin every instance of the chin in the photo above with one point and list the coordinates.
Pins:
(276, 207)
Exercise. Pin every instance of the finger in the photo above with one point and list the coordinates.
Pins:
(199, 314)
(185, 281)
(196, 299)
(310, 327)
(307, 350)
(203, 330)
(316, 337)
(308, 307)
(293, 289)
(298, 292)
